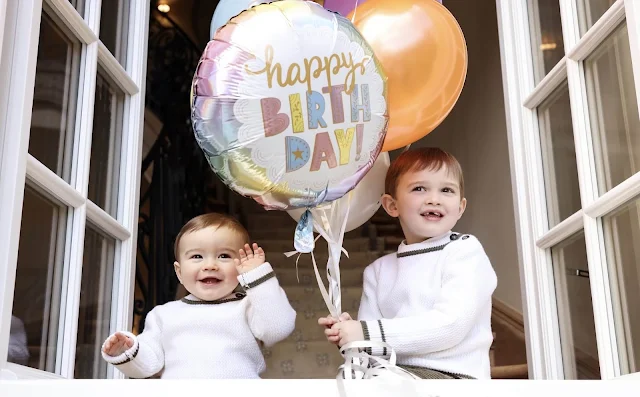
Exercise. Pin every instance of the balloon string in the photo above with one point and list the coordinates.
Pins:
(355, 10)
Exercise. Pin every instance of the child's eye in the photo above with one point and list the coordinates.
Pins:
(447, 190)
(419, 189)
(224, 256)
(196, 256)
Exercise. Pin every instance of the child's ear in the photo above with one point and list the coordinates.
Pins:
(389, 205)
(176, 267)
(463, 206)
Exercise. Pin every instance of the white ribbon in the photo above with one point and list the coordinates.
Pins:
(358, 364)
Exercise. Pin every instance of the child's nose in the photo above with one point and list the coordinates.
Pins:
(433, 198)
(210, 265)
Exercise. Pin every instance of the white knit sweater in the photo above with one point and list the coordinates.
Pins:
(431, 302)
(191, 339)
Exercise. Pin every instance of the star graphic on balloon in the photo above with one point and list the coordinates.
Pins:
(298, 154)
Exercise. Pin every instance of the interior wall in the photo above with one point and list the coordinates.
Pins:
(476, 133)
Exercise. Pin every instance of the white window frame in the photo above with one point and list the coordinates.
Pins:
(522, 97)
(17, 79)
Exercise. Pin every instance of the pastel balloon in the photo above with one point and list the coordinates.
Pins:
(227, 9)
(344, 7)
(364, 201)
(423, 52)
(289, 104)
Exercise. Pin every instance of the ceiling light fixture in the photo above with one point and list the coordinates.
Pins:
(164, 8)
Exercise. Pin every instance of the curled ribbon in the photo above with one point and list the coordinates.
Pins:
(360, 365)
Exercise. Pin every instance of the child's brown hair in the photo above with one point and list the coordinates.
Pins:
(212, 219)
(418, 159)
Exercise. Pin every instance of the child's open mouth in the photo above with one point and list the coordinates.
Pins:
(432, 215)
(210, 280)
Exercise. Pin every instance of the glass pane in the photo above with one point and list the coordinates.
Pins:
(622, 232)
(559, 156)
(54, 99)
(114, 20)
(79, 6)
(613, 110)
(36, 301)
(95, 304)
(575, 310)
(106, 145)
(590, 11)
(546, 35)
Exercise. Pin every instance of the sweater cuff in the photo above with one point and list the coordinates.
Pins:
(257, 276)
(373, 331)
(127, 355)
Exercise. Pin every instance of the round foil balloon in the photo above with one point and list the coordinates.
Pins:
(289, 104)
(423, 51)
(363, 201)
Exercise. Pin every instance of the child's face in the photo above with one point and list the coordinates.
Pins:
(205, 263)
(427, 202)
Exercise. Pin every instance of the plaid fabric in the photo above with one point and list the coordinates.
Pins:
(426, 373)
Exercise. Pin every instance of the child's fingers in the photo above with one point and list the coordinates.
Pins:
(248, 250)
(243, 255)
(345, 317)
(333, 339)
(129, 343)
(326, 321)
(331, 332)
(258, 251)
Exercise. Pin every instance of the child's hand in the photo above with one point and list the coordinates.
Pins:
(347, 331)
(117, 344)
(328, 322)
(249, 259)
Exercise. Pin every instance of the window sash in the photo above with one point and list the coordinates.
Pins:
(17, 165)
(535, 238)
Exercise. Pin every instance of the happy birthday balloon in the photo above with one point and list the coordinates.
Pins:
(289, 105)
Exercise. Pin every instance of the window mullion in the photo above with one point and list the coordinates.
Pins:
(518, 82)
(80, 177)
(600, 290)
(129, 179)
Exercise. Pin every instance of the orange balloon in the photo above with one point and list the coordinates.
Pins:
(424, 55)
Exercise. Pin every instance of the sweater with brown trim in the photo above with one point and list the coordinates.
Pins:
(431, 302)
(194, 339)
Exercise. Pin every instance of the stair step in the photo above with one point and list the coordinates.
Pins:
(518, 371)
(357, 259)
(308, 302)
(302, 360)
(382, 219)
(349, 276)
(287, 232)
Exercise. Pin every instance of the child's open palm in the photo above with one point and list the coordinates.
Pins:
(117, 344)
(249, 258)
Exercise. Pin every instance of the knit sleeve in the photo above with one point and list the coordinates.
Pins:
(269, 313)
(146, 357)
(368, 302)
(468, 281)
